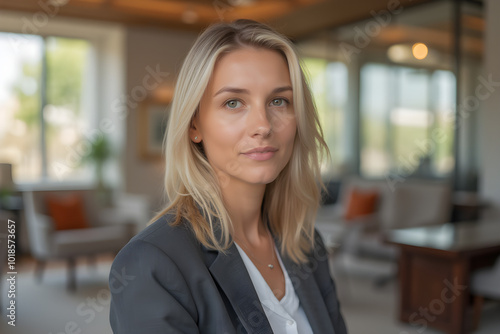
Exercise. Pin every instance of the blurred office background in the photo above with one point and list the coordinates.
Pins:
(408, 93)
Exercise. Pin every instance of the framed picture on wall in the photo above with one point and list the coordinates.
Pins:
(153, 120)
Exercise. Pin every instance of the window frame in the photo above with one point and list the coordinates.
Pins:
(392, 66)
(107, 59)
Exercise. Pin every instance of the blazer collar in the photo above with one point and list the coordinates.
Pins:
(230, 273)
(308, 292)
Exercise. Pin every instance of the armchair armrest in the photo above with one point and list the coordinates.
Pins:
(42, 234)
(44, 222)
(127, 209)
(366, 223)
(113, 216)
(353, 231)
(329, 213)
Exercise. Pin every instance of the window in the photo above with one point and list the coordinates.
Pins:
(44, 106)
(407, 121)
(328, 83)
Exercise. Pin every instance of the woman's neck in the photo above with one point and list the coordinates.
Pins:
(244, 203)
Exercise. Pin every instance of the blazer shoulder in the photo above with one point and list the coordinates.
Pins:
(162, 230)
(150, 285)
(165, 237)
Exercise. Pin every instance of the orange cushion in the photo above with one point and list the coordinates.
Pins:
(361, 203)
(67, 212)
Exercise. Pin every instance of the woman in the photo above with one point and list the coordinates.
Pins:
(235, 251)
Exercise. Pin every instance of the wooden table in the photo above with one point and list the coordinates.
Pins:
(435, 265)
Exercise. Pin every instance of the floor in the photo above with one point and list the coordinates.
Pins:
(47, 308)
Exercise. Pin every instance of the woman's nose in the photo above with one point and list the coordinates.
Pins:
(260, 122)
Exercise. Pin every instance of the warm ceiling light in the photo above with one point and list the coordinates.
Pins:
(399, 53)
(419, 50)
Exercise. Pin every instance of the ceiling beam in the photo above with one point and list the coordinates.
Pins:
(333, 13)
(295, 18)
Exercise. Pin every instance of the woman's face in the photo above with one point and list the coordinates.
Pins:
(246, 118)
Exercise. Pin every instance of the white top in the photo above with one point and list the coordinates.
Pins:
(286, 316)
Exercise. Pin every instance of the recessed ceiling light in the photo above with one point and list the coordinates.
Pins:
(411, 53)
(419, 50)
(399, 53)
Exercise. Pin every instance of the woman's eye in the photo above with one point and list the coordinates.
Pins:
(278, 102)
(233, 104)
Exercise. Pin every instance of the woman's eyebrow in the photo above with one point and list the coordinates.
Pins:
(232, 90)
(246, 91)
(282, 89)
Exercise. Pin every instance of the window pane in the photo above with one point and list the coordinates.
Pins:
(445, 95)
(411, 121)
(414, 86)
(328, 83)
(336, 95)
(65, 116)
(20, 68)
(375, 98)
(406, 124)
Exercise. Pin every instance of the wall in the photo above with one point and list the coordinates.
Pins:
(161, 51)
(489, 121)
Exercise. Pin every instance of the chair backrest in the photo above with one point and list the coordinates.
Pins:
(419, 203)
(39, 224)
(89, 196)
(406, 204)
(380, 186)
(136, 207)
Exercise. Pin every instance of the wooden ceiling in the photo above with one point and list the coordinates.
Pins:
(295, 18)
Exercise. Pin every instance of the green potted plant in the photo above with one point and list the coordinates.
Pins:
(100, 152)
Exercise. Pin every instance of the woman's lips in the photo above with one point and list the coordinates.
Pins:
(260, 156)
(261, 153)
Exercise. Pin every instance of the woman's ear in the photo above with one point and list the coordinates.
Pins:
(194, 132)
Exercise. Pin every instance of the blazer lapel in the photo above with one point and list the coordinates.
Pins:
(230, 273)
(310, 297)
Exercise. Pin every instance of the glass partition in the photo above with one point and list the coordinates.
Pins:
(409, 74)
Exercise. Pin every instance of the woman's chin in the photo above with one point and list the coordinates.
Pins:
(262, 179)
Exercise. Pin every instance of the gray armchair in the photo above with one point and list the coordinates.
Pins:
(360, 242)
(110, 230)
(411, 203)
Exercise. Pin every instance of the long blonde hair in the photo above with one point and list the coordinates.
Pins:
(192, 187)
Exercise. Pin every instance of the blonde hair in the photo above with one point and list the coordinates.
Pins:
(192, 187)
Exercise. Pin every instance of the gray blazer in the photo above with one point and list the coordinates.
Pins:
(164, 282)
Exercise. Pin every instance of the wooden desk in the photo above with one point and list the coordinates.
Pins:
(434, 271)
